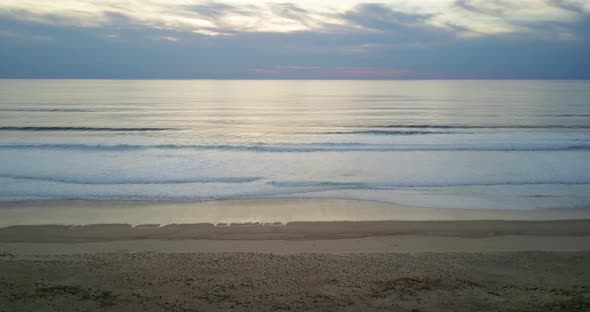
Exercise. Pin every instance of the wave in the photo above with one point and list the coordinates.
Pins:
(386, 132)
(412, 126)
(283, 188)
(376, 186)
(47, 110)
(565, 115)
(115, 181)
(81, 129)
(302, 148)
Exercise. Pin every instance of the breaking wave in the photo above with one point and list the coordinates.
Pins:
(311, 147)
(82, 129)
(115, 181)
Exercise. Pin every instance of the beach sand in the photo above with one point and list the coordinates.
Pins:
(451, 261)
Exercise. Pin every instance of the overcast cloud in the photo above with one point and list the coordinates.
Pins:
(303, 39)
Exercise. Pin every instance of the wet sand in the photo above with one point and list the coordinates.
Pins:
(81, 212)
(443, 264)
(292, 231)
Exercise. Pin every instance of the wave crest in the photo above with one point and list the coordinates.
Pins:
(310, 147)
(108, 129)
(119, 181)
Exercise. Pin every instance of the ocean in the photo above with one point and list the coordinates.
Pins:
(449, 144)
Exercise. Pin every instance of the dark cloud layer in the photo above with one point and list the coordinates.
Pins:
(486, 7)
(374, 41)
(568, 5)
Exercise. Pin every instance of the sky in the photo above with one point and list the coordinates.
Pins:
(304, 39)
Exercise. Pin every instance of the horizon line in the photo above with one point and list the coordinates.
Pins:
(297, 79)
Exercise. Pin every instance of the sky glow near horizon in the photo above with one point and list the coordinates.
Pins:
(299, 39)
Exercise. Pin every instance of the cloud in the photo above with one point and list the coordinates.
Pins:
(568, 5)
(370, 72)
(267, 71)
(307, 39)
(379, 16)
(487, 7)
(229, 17)
(294, 67)
(335, 72)
(403, 26)
(293, 12)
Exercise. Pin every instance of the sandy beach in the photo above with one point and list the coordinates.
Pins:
(462, 260)
(516, 281)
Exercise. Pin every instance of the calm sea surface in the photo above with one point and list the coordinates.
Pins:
(470, 144)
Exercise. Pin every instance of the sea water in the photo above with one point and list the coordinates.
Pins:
(448, 144)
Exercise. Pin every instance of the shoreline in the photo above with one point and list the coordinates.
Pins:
(302, 238)
(254, 211)
(303, 231)
(309, 226)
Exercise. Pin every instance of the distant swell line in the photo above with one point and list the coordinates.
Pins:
(47, 110)
(88, 181)
(364, 185)
(484, 126)
(385, 132)
(81, 129)
(302, 148)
